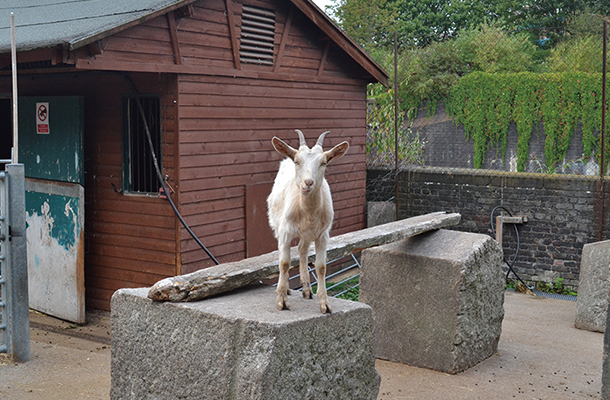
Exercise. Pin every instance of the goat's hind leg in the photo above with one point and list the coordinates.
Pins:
(304, 270)
(283, 290)
(321, 274)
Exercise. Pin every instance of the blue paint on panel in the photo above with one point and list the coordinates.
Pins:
(61, 213)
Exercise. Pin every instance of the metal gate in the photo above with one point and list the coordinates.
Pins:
(5, 339)
(14, 311)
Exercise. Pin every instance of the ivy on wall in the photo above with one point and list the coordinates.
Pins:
(486, 104)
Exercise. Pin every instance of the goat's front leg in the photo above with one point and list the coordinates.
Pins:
(321, 274)
(282, 284)
(304, 270)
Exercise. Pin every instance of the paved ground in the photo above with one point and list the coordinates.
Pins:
(541, 356)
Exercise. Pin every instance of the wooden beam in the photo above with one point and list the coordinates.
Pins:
(170, 68)
(324, 57)
(226, 277)
(233, 34)
(173, 34)
(94, 49)
(186, 11)
(285, 34)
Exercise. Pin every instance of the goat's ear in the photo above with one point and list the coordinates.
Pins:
(336, 152)
(283, 148)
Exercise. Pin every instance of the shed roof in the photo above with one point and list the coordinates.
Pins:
(76, 23)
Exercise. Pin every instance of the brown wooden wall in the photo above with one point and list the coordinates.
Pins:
(226, 145)
(132, 238)
(226, 125)
(229, 111)
(130, 241)
(218, 119)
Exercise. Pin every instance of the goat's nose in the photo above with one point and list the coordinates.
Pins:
(309, 182)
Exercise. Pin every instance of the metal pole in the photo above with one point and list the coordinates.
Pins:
(15, 151)
(396, 195)
(18, 269)
(602, 170)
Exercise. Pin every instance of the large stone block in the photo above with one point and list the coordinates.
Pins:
(238, 346)
(592, 301)
(437, 299)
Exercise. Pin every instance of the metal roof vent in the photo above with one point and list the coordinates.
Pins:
(257, 35)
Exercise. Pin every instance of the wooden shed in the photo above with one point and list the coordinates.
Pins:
(217, 80)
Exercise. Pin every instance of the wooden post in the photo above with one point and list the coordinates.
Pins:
(503, 219)
(499, 229)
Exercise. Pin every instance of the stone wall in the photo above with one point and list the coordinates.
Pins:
(562, 211)
(447, 146)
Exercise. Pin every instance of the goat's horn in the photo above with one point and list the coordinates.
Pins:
(302, 141)
(321, 138)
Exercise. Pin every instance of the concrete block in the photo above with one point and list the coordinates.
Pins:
(379, 213)
(605, 394)
(592, 301)
(238, 346)
(437, 299)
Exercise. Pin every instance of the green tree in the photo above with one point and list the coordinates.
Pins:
(418, 22)
(582, 54)
(547, 21)
(369, 23)
(489, 48)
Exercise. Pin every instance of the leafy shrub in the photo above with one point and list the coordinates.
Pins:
(579, 55)
(487, 103)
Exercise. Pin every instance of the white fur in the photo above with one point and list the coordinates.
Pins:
(300, 205)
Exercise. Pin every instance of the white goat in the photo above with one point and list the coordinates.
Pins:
(300, 205)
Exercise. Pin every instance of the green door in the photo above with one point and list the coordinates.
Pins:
(51, 138)
(51, 149)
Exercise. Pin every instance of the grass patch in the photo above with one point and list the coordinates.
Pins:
(556, 287)
(348, 287)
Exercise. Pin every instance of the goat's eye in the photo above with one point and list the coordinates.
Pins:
(296, 163)
(323, 164)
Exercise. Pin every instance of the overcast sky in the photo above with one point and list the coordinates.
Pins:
(323, 3)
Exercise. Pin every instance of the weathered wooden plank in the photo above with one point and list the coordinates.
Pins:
(226, 277)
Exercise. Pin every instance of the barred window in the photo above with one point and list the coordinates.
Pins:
(140, 175)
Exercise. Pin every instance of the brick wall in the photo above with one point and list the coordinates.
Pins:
(562, 211)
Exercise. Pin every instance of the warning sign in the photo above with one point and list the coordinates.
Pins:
(42, 118)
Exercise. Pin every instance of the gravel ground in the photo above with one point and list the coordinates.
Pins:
(540, 356)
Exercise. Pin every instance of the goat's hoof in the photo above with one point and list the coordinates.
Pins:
(325, 308)
(307, 293)
(288, 292)
(282, 304)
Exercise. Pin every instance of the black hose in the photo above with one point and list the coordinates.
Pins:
(160, 175)
(512, 262)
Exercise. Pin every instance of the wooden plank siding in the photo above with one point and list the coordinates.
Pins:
(226, 126)
(218, 118)
(132, 238)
